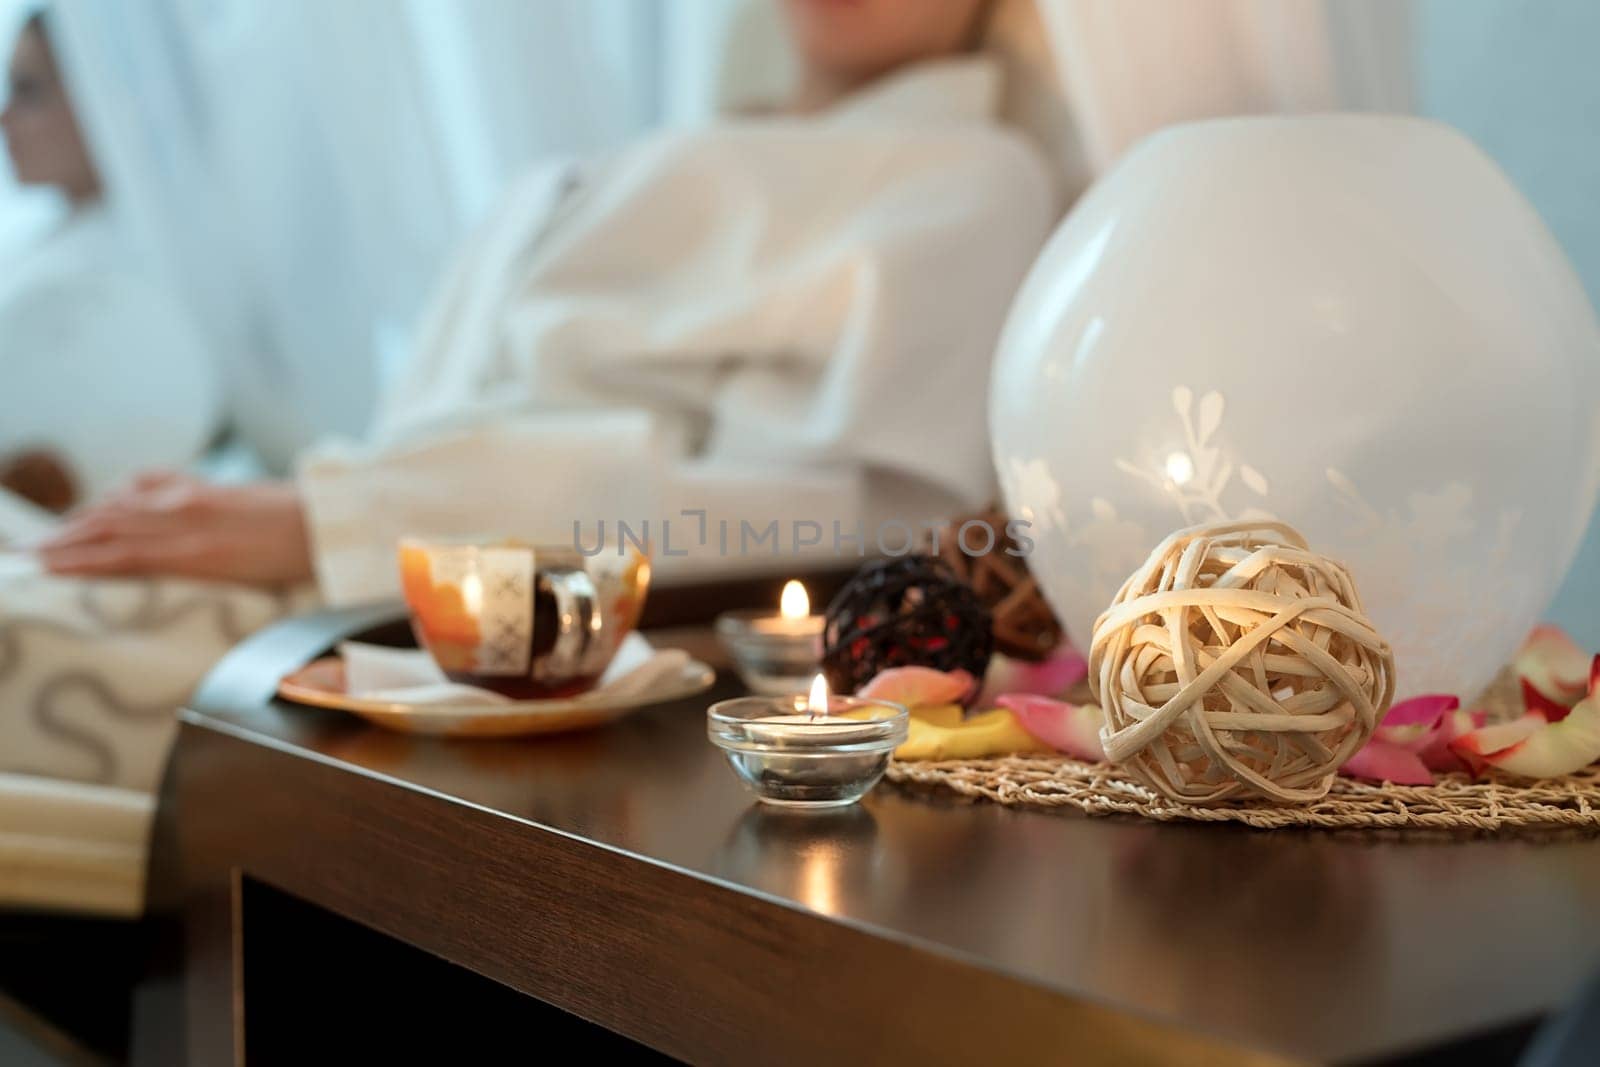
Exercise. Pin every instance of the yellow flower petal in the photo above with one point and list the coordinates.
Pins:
(991, 733)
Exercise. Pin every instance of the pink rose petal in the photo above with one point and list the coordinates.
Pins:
(1418, 733)
(1422, 727)
(916, 686)
(1421, 711)
(1533, 700)
(1556, 749)
(1434, 750)
(1475, 747)
(1554, 666)
(1070, 728)
(1051, 677)
(1382, 762)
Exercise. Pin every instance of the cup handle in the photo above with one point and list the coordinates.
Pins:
(579, 623)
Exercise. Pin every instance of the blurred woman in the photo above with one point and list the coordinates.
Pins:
(785, 318)
(101, 372)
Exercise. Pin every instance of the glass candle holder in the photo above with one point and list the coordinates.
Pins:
(792, 757)
(774, 656)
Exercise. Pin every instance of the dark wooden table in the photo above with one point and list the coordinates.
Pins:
(624, 877)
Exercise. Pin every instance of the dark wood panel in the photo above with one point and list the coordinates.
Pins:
(695, 969)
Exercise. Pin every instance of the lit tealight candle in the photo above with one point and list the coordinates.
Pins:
(775, 654)
(810, 723)
(811, 751)
(794, 616)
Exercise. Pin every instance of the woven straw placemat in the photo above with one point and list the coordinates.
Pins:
(1455, 802)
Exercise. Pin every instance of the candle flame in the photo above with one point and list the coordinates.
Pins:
(794, 604)
(817, 701)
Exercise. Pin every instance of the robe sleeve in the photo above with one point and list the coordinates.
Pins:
(819, 306)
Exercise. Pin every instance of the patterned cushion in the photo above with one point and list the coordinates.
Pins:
(92, 673)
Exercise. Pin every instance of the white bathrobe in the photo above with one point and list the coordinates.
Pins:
(784, 319)
(99, 362)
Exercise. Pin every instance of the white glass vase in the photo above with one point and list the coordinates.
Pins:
(1355, 324)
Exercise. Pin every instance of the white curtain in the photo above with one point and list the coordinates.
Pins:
(1129, 67)
(302, 168)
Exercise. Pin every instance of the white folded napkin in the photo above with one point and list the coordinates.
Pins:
(409, 676)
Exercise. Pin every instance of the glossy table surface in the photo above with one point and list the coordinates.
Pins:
(1314, 945)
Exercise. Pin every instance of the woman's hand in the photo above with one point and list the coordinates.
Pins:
(172, 524)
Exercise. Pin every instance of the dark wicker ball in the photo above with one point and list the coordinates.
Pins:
(907, 612)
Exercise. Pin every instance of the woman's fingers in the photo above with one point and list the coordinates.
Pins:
(155, 479)
(184, 556)
(84, 529)
(187, 528)
(109, 524)
(105, 559)
(172, 509)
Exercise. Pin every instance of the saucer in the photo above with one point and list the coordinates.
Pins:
(321, 684)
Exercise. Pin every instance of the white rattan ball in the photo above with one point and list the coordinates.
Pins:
(1238, 662)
